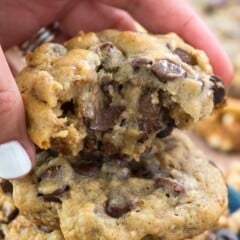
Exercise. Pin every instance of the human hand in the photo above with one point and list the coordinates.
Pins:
(19, 20)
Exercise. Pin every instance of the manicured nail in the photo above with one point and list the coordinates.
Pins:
(14, 161)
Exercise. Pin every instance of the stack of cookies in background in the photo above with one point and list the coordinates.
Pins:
(104, 110)
(223, 17)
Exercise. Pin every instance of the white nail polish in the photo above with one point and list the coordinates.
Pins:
(14, 161)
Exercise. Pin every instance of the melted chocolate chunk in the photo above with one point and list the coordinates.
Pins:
(149, 118)
(68, 108)
(225, 234)
(167, 70)
(2, 236)
(185, 56)
(6, 186)
(109, 149)
(55, 196)
(139, 62)
(218, 90)
(118, 207)
(153, 117)
(13, 215)
(50, 173)
(106, 118)
(175, 187)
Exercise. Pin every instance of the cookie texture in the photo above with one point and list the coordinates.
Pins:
(96, 197)
(115, 91)
(14, 226)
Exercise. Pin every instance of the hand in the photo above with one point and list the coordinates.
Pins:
(19, 20)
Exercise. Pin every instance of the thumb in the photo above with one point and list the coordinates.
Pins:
(16, 149)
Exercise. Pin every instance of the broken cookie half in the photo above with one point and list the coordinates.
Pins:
(115, 91)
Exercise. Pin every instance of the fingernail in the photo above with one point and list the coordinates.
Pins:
(14, 161)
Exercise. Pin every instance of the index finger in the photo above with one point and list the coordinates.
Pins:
(162, 16)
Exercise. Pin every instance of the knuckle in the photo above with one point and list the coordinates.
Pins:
(8, 101)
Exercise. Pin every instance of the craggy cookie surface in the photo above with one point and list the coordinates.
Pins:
(115, 91)
(173, 192)
(14, 226)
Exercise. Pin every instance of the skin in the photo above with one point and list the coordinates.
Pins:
(20, 19)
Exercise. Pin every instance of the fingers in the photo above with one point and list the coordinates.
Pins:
(16, 149)
(88, 15)
(75, 15)
(19, 20)
(162, 16)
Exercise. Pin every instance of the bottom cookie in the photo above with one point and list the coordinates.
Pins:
(173, 192)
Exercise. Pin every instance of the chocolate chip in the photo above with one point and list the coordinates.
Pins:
(54, 196)
(139, 62)
(68, 108)
(89, 169)
(145, 106)
(185, 56)
(218, 90)
(167, 70)
(175, 187)
(116, 207)
(109, 149)
(45, 229)
(105, 119)
(13, 215)
(50, 173)
(6, 186)
(153, 117)
(225, 234)
(2, 236)
(9, 216)
(149, 113)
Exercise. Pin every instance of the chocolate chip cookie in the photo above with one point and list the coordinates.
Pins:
(14, 226)
(115, 91)
(172, 192)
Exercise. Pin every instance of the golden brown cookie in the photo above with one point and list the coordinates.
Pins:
(172, 192)
(115, 91)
